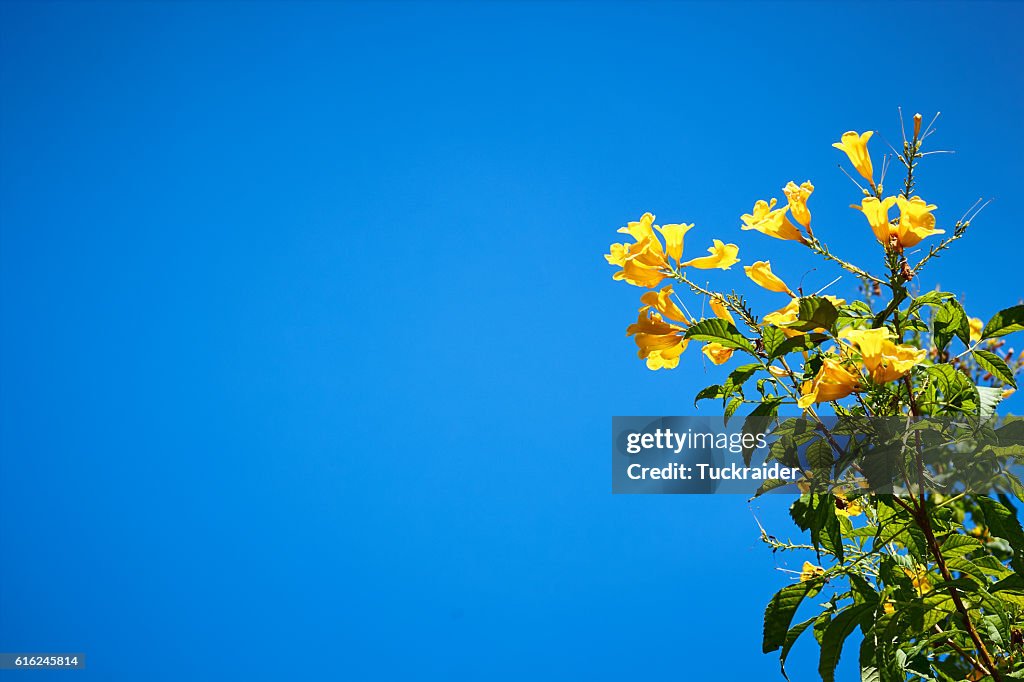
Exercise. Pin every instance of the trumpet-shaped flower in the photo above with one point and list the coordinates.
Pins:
(644, 263)
(832, 382)
(919, 578)
(767, 219)
(721, 312)
(673, 235)
(846, 507)
(810, 572)
(717, 353)
(761, 273)
(877, 213)
(884, 360)
(723, 257)
(916, 221)
(660, 343)
(856, 147)
(976, 328)
(662, 302)
(797, 196)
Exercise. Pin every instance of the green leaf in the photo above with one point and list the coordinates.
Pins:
(995, 365)
(719, 331)
(757, 420)
(709, 393)
(956, 387)
(771, 484)
(731, 408)
(779, 613)
(773, 338)
(835, 635)
(820, 459)
(791, 637)
(738, 377)
(959, 544)
(932, 298)
(816, 312)
(989, 398)
(950, 320)
(801, 342)
(1004, 322)
(1004, 524)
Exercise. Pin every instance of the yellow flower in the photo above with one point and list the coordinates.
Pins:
(976, 328)
(832, 382)
(845, 507)
(884, 360)
(877, 213)
(856, 147)
(663, 303)
(721, 312)
(797, 197)
(771, 221)
(717, 353)
(673, 235)
(785, 316)
(919, 577)
(916, 221)
(660, 342)
(761, 273)
(723, 257)
(888, 606)
(810, 572)
(644, 262)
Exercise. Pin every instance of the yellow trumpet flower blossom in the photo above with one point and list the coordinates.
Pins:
(856, 148)
(767, 219)
(976, 328)
(877, 213)
(916, 221)
(833, 381)
(761, 273)
(660, 343)
(717, 353)
(884, 360)
(797, 196)
(723, 257)
(810, 572)
(721, 312)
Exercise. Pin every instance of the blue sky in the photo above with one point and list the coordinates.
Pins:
(308, 352)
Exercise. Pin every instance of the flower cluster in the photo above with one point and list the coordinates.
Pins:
(863, 355)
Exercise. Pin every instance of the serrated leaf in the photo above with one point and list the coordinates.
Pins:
(932, 298)
(835, 635)
(791, 637)
(799, 343)
(815, 312)
(1004, 524)
(995, 365)
(771, 484)
(719, 331)
(959, 544)
(709, 393)
(779, 613)
(1004, 322)
(731, 408)
(989, 398)
(950, 320)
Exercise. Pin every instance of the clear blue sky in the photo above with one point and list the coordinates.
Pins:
(308, 352)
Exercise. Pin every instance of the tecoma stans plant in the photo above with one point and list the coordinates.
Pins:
(925, 560)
